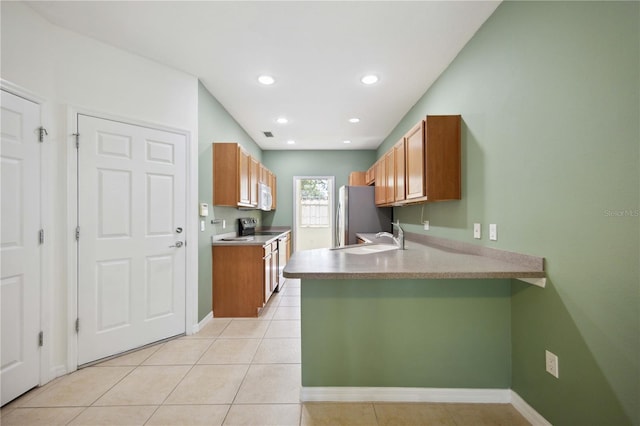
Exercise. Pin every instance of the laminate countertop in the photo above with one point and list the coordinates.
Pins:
(262, 237)
(424, 257)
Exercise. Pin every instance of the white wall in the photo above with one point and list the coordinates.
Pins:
(72, 71)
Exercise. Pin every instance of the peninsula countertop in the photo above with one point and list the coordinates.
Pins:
(424, 257)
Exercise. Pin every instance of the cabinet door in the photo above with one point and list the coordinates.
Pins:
(225, 174)
(254, 176)
(357, 179)
(415, 157)
(273, 181)
(263, 177)
(399, 157)
(289, 249)
(442, 157)
(391, 178)
(268, 274)
(244, 177)
(381, 182)
(371, 175)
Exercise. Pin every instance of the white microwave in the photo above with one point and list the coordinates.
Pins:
(265, 200)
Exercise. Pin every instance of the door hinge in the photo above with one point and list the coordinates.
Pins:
(77, 325)
(41, 236)
(77, 135)
(42, 132)
(77, 233)
(41, 338)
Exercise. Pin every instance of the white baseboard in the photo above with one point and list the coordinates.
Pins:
(55, 372)
(202, 323)
(478, 396)
(527, 411)
(358, 394)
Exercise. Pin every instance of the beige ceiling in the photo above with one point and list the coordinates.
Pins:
(316, 50)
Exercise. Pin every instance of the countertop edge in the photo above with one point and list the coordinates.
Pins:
(519, 265)
(218, 242)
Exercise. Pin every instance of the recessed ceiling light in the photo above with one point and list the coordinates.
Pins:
(354, 120)
(347, 141)
(266, 80)
(291, 142)
(282, 120)
(369, 79)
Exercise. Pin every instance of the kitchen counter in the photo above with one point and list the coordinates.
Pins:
(424, 258)
(269, 235)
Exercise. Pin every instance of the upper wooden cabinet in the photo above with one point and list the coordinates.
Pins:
(236, 175)
(273, 184)
(370, 176)
(390, 187)
(231, 175)
(358, 179)
(427, 163)
(399, 171)
(381, 181)
(414, 142)
(442, 155)
(254, 177)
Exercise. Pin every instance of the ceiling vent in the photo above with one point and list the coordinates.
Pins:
(268, 134)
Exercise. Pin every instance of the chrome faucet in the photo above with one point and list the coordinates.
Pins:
(399, 240)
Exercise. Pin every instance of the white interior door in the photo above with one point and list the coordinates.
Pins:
(131, 255)
(20, 247)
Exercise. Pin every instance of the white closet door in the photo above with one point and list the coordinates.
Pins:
(20, 247)
(131, 254)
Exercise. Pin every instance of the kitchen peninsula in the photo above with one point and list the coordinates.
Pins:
(394, 324)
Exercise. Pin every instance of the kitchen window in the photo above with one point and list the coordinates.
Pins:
(314, 203)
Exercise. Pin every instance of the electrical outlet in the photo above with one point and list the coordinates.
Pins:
(477, 231)
(551, 361)
(493, 232)
(426, 225)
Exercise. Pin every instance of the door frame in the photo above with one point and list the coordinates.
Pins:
(46, 254)
(332, 206)
(191, 235)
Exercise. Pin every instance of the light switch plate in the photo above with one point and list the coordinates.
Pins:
(493, 232)
(477, 231)
(426, 225)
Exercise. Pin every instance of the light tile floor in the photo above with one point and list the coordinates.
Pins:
(233, 372)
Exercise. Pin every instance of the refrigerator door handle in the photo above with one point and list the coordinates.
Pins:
(337, 236)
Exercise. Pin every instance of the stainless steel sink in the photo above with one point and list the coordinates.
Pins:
(366, 248)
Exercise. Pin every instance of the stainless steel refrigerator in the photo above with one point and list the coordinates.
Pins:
(357, 213)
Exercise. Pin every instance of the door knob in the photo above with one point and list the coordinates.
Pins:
(177, 244)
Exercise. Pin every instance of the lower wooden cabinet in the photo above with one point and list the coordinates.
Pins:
(244, 277)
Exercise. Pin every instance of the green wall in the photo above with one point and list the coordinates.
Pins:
(287, 164)
(215, 125)
(406, 333)
(549, 93)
